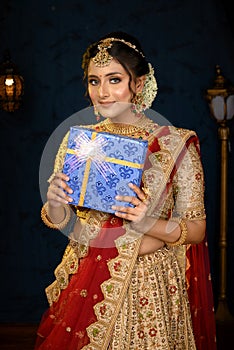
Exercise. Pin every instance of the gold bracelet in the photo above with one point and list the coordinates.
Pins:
(183, 234)
(47, 221)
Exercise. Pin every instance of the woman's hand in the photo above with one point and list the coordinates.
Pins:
(136, 214)
(56, 195)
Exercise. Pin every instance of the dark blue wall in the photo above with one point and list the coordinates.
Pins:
(183, 39)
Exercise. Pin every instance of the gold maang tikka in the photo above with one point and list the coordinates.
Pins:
(103, 58)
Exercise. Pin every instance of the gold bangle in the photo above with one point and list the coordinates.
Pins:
(47, 221)
(183, 234)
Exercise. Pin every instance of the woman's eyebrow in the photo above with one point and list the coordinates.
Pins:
(112, 73)
(106, 75)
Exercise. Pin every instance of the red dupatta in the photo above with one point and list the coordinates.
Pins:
(200, 293)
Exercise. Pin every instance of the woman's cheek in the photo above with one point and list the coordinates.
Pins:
(92, 95)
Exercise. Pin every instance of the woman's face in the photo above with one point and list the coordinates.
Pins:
(108, 89)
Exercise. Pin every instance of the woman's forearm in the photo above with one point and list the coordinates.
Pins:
(162, 231)
(170, 231)
(56, 214)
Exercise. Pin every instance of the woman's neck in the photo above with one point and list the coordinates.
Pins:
(127, 118)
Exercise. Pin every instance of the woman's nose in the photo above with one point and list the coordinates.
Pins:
(103, 90)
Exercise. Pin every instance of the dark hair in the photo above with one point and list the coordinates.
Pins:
(132, 60)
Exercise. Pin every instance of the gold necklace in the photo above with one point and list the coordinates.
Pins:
(122, 128)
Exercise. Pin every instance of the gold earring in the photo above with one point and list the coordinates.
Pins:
(96, 113)
(138, 105)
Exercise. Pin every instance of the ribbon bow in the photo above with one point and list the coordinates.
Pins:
(89, 149)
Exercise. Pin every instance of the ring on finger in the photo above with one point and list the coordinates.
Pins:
(135, 202)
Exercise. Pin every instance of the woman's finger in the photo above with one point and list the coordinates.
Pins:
(128, 199)
(135, 214)
(57, 194)
(60, 183)
(58, 189)
(139, 192)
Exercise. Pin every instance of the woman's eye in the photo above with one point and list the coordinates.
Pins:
(115, 80)
(93, 82)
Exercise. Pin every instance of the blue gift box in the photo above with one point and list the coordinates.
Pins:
(100, 165)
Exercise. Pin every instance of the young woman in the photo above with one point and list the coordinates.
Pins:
(149, 287)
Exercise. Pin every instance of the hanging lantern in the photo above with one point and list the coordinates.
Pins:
(11, 85)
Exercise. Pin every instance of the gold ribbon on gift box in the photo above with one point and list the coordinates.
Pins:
(90, 151)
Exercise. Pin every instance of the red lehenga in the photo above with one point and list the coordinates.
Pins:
(105, 296)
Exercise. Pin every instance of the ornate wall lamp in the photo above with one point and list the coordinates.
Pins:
(221, 102)
(11, 85)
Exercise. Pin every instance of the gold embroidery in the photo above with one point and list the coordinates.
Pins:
(113, 290)
(185, 197)
(73, 253)
(59, 159)
(189, 180)
(68, 266)
(83, 293)
(142, 322)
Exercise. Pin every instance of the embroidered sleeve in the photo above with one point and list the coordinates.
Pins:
(59, 159)
(188, 186)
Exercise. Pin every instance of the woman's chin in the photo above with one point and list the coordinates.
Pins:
(114, 110)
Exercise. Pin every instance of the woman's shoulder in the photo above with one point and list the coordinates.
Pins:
(171, 137)
(183, 132)
(171, 130)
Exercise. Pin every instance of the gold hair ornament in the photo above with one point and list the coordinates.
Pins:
(47, 221)
(144, 99)
(103, 58)
(183, 235)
